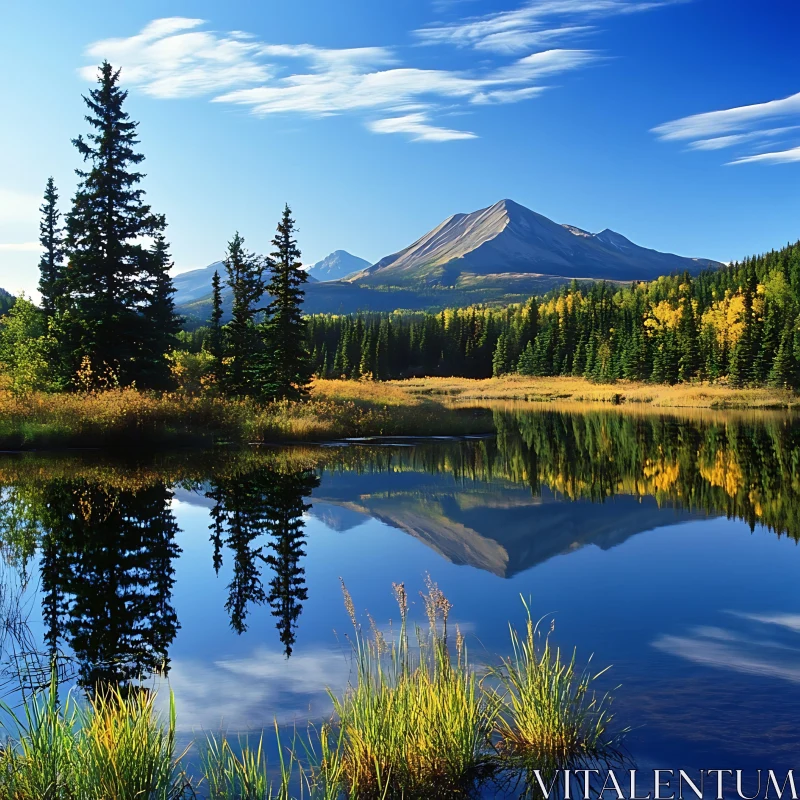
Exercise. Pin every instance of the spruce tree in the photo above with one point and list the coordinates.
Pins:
(215, 345)
(382, 350)
(368, 353)
(527, 361)
(243, 347)
(500, 358)
(688, 345)
(784, 372)
(163, 324)
(51, 264)
(108, 282)
(287, 366)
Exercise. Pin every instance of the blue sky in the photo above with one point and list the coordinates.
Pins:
(674, 122)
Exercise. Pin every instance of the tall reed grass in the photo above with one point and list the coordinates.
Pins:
(113, 748)
(416, 721)
(549, 716)
(243, 775)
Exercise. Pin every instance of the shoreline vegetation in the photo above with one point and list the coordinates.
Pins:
(103, 360)
(417, 720)
(335, 410)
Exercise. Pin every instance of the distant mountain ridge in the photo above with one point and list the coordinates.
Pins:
(509, 239)
(336, 266)
(195, 284)
(497, 255)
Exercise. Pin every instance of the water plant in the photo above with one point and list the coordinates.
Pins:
(549, 716)
(243, 775)
(115, 746)
(414, 723)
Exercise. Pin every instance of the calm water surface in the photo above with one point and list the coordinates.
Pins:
(665, 546)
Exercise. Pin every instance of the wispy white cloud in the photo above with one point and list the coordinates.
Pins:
(516, 40)
(419, 128)
(546, 63)
(169, 59)
(766, 646)
(721, 142)
(172, 58)
(507, 95)
(338, 90)
(743, 125)
(729, 120)
(790, 156)
(533, 24)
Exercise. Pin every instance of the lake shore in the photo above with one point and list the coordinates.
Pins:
(335, 410)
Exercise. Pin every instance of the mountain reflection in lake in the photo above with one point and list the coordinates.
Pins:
(220, 569)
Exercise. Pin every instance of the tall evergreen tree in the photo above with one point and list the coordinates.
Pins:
(243, 347)
(163, 324)
(51, 264)
(527, 361)
(215, 344)
(382, 350)
(500, 357)
(108, 280)
(367, 368)
(689, 358)
(287, 367)
(784, 372)
(741, 365)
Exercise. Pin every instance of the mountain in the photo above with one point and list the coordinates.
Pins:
(492, 525)
(339, 264)
(498, 255)
(507, 240)
(196, 284)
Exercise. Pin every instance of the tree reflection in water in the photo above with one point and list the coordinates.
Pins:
(105, 534)
(259, 518)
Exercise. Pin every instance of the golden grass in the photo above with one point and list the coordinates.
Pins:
(126, 416)
(334, 410)
(580, 390)
(415, 724)
(418, 722)
(116, 746)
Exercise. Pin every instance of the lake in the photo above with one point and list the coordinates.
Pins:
(663, 544)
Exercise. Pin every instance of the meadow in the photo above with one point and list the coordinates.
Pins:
(335, 409)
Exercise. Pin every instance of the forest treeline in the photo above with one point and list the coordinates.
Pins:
(741, 323)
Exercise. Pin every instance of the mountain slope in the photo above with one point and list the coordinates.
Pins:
(196, 284)
(508, 239)
(339, 264)
(491, 525)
